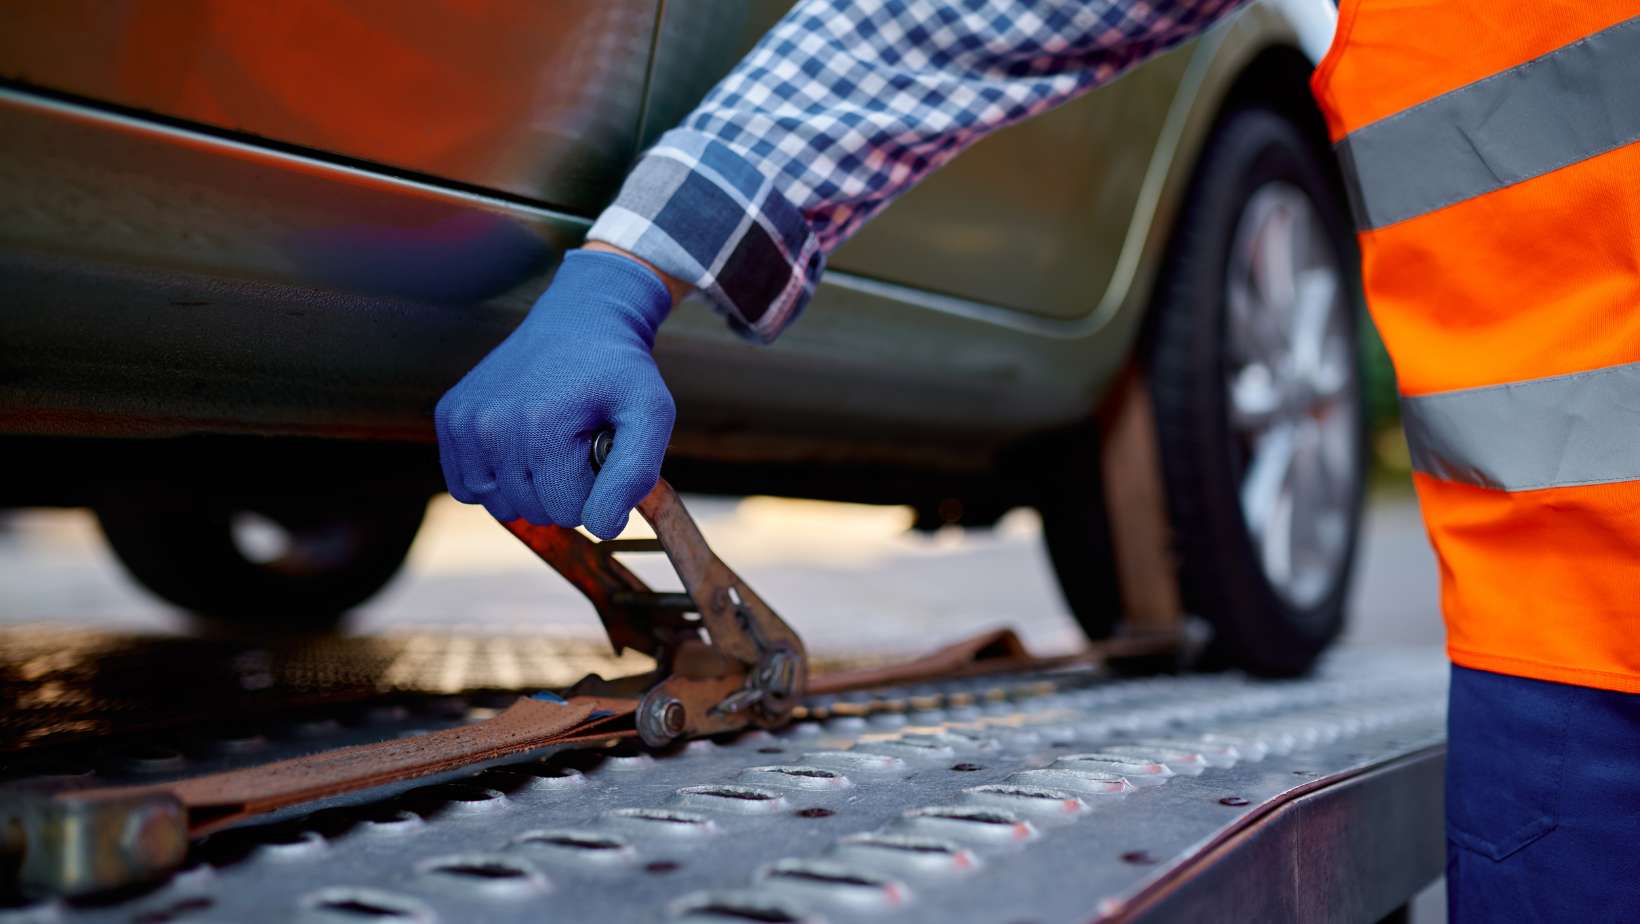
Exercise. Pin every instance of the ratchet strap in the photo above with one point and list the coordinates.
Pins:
(81, 841)
(725, 662)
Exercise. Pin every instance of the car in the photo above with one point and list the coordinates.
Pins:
(246, 247)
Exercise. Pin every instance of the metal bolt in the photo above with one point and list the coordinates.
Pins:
(777, 676)
(778, 673)
(661, 719)
(154, 837)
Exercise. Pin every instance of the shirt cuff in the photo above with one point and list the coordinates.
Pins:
(704, 214)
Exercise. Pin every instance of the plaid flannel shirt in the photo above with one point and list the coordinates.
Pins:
(842, 107)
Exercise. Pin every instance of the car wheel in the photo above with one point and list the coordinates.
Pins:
(1251, 356)
(268, 565)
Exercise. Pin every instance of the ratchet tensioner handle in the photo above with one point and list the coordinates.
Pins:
(723, 659)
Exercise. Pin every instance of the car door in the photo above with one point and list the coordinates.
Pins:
(537, 99)
(305, 217)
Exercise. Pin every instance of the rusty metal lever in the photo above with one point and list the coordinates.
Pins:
(735, 663)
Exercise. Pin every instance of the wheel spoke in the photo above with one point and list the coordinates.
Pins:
(1255, 398)
(1277, 545)
(1265, 269)
(1266, 477)
(1309, 493)
(1313, 316)
(1254, 336)
(1273, 259)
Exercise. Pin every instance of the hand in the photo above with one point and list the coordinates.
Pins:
(514, 433)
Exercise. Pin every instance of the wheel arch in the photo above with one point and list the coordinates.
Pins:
(1263, 56)
(1278, 77)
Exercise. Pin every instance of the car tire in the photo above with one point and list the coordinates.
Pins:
(1260, 422)
(271, 565)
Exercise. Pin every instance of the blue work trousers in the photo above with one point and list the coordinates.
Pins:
(1542, 801)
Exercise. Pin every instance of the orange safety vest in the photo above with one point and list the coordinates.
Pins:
(1492, 148)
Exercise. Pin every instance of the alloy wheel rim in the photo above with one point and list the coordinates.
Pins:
(1291, 383)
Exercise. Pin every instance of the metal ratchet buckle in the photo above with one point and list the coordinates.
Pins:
(748, 669)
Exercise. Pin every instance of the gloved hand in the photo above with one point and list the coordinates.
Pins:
(514, 433)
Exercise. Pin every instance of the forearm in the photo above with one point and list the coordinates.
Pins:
(841, 108)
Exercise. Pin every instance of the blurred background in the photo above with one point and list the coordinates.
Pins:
(849, 576)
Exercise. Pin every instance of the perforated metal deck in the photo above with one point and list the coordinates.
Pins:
(1063, 797)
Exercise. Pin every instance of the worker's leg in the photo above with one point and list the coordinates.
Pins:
(1543, 801)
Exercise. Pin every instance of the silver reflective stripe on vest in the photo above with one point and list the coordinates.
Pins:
(1541, 433)
(1569, 105)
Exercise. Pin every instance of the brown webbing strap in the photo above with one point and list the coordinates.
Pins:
(999, 651)
(998, 645)
(217, 800)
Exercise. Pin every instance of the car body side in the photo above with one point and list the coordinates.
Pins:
(165, 276)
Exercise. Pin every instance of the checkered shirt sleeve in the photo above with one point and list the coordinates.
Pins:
(842, 107)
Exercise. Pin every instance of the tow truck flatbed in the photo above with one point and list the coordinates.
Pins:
(1066, 795)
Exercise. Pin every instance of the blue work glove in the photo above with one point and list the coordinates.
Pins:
(514, 433)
